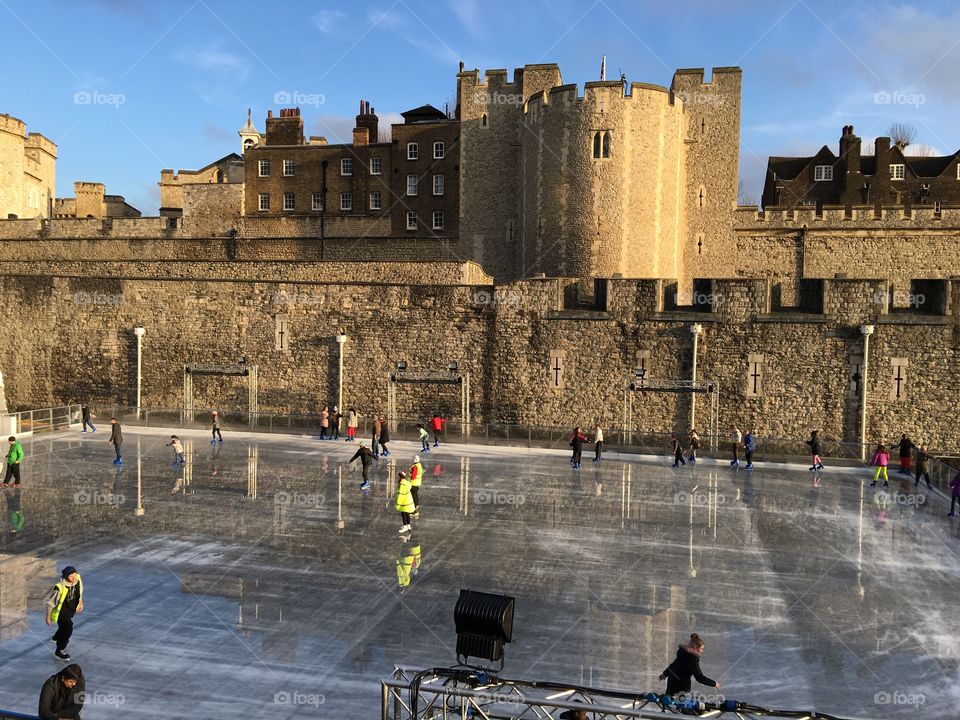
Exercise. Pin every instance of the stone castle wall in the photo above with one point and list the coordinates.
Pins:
(66, 340)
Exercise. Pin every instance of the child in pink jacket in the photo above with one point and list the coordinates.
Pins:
(881, 458)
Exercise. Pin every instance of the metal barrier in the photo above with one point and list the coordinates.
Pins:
(10, 715)
(47, 419)
(412, 694)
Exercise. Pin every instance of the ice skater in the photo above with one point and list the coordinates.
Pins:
(14, 458)
(366, 459)
(215, 429)
(881, 458)
(749, 448)
(62, 695)
(424, 438)
(906, 449)
(816, 447)
(954, 494)
(377, 426)
(923, 466)
(352, 421)
(384, 437)
(85, 416)
(677, 451)
(324, 423)
(685, 667)
(577, 438)
(436, 424)
(694, 445)
(116, 439)
(416, 480)
(597, 442)
(735, 439)
(335, 419)
(64, 600)
(177, 446)
(404, 502)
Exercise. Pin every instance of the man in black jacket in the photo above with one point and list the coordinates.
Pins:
(62, 695)
(366, 458)
(906, 449)
(116, 437)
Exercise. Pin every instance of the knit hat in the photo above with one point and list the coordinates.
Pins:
(416, 458)
(67, 571)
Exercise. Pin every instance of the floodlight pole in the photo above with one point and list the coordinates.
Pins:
(139, 331)
(866, 331)
(341, 341)
(695, 330)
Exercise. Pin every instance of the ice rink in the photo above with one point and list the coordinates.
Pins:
(258, 580)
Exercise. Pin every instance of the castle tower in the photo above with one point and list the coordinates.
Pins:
(249, 135)
(27, 171)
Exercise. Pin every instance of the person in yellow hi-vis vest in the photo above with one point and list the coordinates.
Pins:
(63, 602)
(404, 503)
(408, 564)
(416, 479)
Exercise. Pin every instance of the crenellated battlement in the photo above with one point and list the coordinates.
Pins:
(835, 216)
(42, 143)
(12, 125)
(597, 92)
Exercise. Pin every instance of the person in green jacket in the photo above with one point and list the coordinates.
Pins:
(14, 456)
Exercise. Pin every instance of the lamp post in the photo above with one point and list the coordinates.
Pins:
(866, 331)
(341, 341)
(139, 332)
(323, 206)
(695, 330)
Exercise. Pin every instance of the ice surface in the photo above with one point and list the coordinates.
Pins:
(259, 581)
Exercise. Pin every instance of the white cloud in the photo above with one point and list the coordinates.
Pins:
(213, 59)
(326, 20)
(469, 14)
(412, 31)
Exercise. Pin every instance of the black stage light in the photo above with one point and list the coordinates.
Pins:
(484, 623)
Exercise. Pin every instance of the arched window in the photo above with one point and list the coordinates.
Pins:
(606, 144)
(596, 145)
(483, 120)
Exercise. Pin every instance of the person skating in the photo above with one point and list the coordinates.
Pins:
(424, 438)
(677, 451)
(685, 667)
(14, 458)
(384, 437)
(923, 466)
(404, 502)
(335, 418)
(62, 695)
(116, 439)
(436, 424)
(749, 448)
(881, 458)
(324, 423)
(352, 421)
(177, 446)
(63, 602)
(816, 447)
(577, 439)
(954, 494)
(85, 416)
(906, 449)
(597, 442)
(735, 439)
(694, 445)
(366, 458)
(377, 426)
(416, 480)
(216, 435)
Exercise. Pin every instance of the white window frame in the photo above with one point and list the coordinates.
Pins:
(958, 171)
(438, 180)
(346, 201)
(438, 150)
(261, 166)
(896, 168)
(293, 201)
(375, 195)
(437, 226)
(823, 173)
(379, 166)
(346, 167)
(413, 185)
(316, 201)
(288, 168)
(260, 202)
(413, 151)
(411, 220)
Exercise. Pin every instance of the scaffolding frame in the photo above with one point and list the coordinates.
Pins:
(430, 377)
(222, 370)
(683, 387)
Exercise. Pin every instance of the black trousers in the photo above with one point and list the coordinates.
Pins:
(597, 449)
(577, 455)
(415, 491)
(13, 470)
(736, 455)
(405, 517)
(924, 475)
(678, 457)
(954, 500)
(216, 434)
(366, 473)
(64, 630)
(116, 446)
(748, 454)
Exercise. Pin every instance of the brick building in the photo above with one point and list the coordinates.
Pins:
(888, 177)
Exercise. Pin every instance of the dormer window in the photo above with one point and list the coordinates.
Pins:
(822, 173)
(897, 171)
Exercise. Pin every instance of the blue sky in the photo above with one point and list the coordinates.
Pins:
(127, 87)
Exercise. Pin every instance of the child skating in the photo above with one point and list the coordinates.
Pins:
(694, 445)
(216, 428)
(816, 447)
(177, 446)
(677, 451)
(881, 458)
(424, 437)
(404, 502)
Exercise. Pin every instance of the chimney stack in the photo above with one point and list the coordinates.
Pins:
(369, 123)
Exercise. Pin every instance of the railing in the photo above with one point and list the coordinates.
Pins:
(47, 419)
(10, 715)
